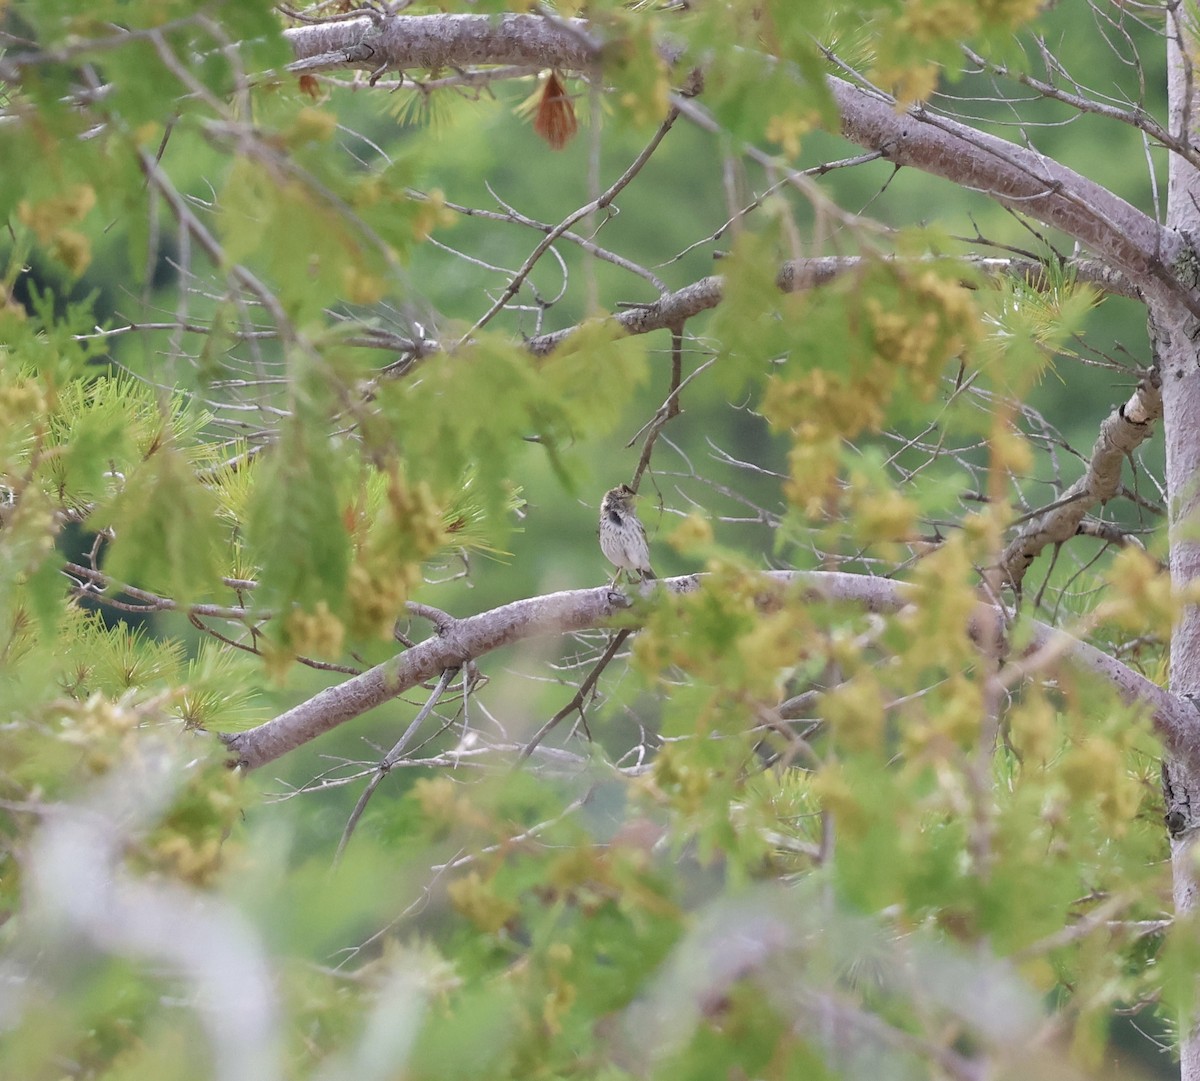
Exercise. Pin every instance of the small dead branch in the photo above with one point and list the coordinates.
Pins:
(1122, 432)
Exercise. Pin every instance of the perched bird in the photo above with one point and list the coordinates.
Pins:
(622, 535)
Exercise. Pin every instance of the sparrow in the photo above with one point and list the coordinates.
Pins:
(622, 535)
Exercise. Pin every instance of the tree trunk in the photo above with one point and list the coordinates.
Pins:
(1175, 333)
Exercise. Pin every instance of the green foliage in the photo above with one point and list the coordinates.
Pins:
(450, 420)
(791, 836)
(294, 523)
(169, 536)
(220, 691)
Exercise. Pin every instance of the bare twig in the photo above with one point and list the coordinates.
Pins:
(576, 703)
(600, 203)
(390, 759)
(669, 408)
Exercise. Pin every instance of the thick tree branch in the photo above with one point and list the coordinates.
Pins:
(674, 309)
(581, 609)
(432, 42)
(1015, 176)
(455, 644)
(1021, 179)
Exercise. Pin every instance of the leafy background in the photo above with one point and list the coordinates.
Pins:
(533, 959)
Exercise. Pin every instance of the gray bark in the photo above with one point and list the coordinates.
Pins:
(458, 641)
(1175, 331)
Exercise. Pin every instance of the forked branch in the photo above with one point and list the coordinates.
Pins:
(1122, 432)
(581, 609)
